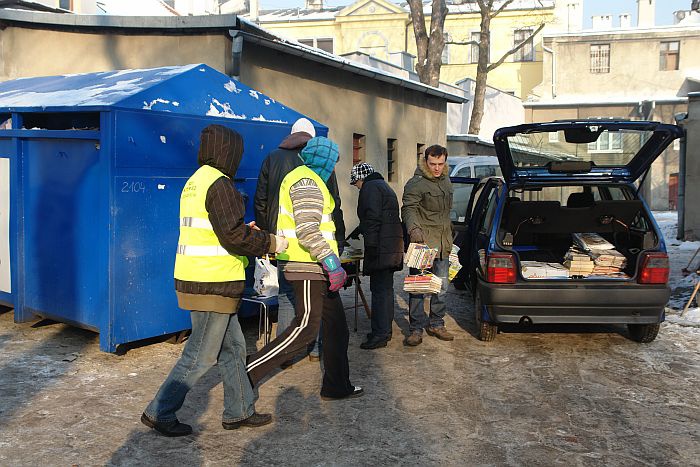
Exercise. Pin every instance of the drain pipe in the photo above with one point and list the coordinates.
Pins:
(554, 70)
(236, 53)
(680, 118)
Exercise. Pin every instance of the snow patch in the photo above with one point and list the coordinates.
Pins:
(261, 118)
(224, 110)
(231, 87)
(254, 94)
(149, 105)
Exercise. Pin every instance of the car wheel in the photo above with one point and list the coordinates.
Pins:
(484, 331)
(643, 332)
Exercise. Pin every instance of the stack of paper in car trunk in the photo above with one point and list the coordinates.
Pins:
(578, 262)
(608, 261)
(592, 241)
(542, 270)
(423, 283)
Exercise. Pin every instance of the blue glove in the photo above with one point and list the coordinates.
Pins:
(336, 273)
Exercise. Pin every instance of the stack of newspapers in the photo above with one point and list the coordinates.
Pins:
(592, 241)
(455, 265)
(420, 256)
(608, 261)
(578, 262)
(422, 283)
(543, 270)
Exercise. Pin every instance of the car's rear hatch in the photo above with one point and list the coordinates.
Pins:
(585, 151)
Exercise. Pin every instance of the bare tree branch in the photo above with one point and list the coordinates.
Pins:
(461, 43)
(500, 9)
(516, 48)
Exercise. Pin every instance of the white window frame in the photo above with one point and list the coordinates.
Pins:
(594, 147)
(520, 55)
(314, 42)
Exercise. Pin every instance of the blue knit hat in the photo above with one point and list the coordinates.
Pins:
(320, 155)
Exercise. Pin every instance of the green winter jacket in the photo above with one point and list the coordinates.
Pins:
(427, 202)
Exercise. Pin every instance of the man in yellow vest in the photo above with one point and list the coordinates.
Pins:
(209, 281)
(311, 264)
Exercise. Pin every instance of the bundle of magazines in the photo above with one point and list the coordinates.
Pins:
(421, 257)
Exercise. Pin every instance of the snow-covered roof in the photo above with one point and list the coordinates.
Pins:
(673, 29)
(298, 14)
(606, 99)
(134, 8)
(192, 89)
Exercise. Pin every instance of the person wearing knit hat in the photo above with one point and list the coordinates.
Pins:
(312, 265)
(278, 163)
(380, 226)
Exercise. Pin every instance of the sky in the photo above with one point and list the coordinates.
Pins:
(664, 8)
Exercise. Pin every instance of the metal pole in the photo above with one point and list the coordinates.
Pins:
(680, 234)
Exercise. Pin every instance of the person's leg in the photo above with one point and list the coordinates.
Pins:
(239, 398)
(297, 336)
(285, 301)
(315, 352)
(381, 286)
(437, 301)
(336, 375)
(417, 318)
(199, 355)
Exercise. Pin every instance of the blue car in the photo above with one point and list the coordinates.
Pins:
(564, 236)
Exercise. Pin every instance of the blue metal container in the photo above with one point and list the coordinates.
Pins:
(92, 167)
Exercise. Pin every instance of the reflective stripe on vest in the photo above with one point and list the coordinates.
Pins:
(200, 257)
(285, 219)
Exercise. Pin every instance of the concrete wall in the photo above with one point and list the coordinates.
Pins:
(692, 178)
(351, 104)
(500, 109)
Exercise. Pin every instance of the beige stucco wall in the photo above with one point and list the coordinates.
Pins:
(38, 52)
(350, 104)
(692, 178)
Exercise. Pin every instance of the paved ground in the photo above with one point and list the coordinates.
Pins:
(569, 396)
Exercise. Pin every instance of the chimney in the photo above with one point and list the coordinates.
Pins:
(602, 22)
(646, 12)
(254, 10)
(625, 20)
(316, 5)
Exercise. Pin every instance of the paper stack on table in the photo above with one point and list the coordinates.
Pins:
(592, 241)
(422, 283)
(542, 270)
(420, 256)
(578, 262)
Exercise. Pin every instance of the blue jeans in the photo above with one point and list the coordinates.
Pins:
(417, 318)
(216, 339)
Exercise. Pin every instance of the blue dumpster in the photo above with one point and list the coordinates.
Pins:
(92, 168)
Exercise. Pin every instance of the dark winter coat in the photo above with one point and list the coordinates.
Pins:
(274, 168)
(380, 225)
(427, 201)
(222, 148)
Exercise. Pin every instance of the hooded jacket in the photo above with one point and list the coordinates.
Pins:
(222, 148)
(274, 168)
(427, 201)
(378, 211)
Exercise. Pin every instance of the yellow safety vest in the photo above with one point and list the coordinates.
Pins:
(285, 219)
(200, 256)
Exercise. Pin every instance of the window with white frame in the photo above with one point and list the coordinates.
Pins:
(445, 59)
(608, 141)
(474, 52)
(323, 43)
(527, 52)
(669, 54)
(600, 58)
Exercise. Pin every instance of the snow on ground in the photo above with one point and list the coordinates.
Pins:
(679, 254)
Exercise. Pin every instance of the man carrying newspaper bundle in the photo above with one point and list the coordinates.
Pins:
(427, 200)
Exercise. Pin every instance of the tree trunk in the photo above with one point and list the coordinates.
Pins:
(429, 47)
(482, 70)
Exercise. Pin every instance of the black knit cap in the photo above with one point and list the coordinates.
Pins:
(221, 148)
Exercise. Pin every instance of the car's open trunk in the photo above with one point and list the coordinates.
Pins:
(543, 231)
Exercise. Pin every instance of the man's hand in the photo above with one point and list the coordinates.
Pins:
(336, 273)
(252, 225)
(416, 235)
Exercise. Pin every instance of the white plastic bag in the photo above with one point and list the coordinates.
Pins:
(265, 278)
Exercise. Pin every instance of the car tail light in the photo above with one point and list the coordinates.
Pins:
(654, 269)
(500, 268)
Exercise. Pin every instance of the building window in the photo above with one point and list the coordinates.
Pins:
(420, 149)
(669, 55)
(390, 159)
(445, 59)
(65, 4)
(600, 58)
(474, 52)
(607, 142)
(325, 44)
(527, 52)
(358, 148)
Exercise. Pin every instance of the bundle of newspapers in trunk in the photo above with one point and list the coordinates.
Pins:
(606, 260)
(421, 257)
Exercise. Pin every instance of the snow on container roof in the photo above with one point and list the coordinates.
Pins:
(192, 90)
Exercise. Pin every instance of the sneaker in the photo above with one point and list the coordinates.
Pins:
(357, 391)
(255, 420)
(413, 339)
(441, 333)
